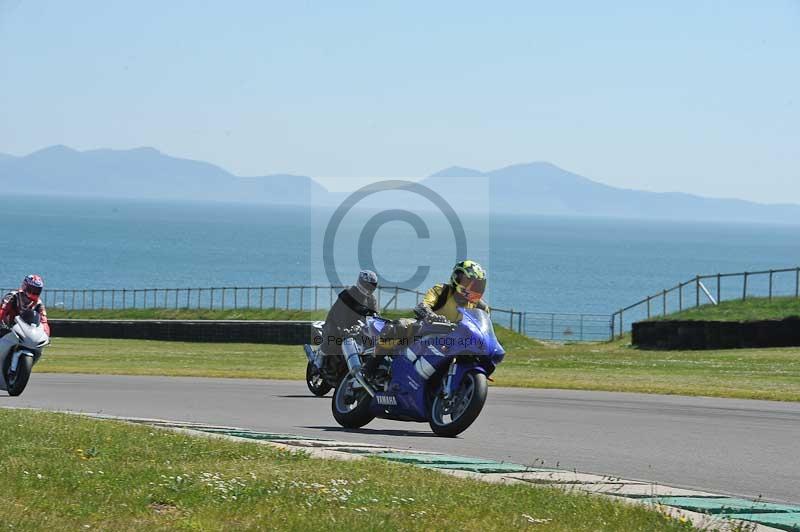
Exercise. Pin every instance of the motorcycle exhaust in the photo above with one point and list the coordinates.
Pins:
(351, 353)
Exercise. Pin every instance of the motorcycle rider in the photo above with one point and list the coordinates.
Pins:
(26, 298)
(440, 304)
(352, 305)
(466, 288)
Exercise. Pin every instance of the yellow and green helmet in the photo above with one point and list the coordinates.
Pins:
(469, 280)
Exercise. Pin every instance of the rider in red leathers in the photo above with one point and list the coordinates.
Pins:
(26, 298)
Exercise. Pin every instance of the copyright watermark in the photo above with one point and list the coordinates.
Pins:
(410, 232)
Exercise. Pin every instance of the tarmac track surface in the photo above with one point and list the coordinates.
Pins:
(737, 447)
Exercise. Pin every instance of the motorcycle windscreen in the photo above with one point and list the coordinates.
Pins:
(31, 317)
(480, 323)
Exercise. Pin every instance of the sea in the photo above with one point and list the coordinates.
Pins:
(534, 263)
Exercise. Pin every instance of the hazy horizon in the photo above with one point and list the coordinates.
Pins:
(697, 97)
(341, 185)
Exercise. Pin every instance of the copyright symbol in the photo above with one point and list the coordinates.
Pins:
(317, 340)
(367, 237)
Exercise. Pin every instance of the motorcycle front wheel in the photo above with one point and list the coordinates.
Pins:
(17, 381)
(452, 417)
(351, 406)
(316, 384)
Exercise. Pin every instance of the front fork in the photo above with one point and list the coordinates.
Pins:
(15, 360)
(455, 374)
(448, 382)
(314, 356)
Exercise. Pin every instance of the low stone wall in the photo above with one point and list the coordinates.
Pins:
(675, 334)
(246, 331)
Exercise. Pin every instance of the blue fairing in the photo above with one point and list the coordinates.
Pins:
(481, 331)
(418, 369)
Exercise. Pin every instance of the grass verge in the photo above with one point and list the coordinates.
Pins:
(777, 308)
(612, 366)
(70, 473)
(743, 373)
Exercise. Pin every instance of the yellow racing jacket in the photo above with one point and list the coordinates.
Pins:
(441, 300)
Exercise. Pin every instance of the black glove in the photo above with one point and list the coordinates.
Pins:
(437, 318)
(424, 313)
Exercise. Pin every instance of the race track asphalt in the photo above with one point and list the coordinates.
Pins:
(737, 447)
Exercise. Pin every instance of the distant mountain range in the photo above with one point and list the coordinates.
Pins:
(544, 188)
(143, 173)
(533, 188)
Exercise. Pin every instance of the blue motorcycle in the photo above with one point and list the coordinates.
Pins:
(439, 376)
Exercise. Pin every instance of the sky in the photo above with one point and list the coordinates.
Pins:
(691, 96)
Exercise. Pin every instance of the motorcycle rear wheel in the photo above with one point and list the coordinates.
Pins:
(16, 384)
(354, 414)
(464, 408)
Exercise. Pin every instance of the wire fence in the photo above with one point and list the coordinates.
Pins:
(562, 327)
(709, 289)
(553, 326)
(541, 325)
(216, 298)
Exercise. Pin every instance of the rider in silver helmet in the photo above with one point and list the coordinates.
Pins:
(353, 304)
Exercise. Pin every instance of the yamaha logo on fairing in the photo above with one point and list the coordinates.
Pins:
(386, 400)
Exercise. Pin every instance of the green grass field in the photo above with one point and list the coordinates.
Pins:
(63, 472)
(612, 366)
(750, 309)
(744, 373)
